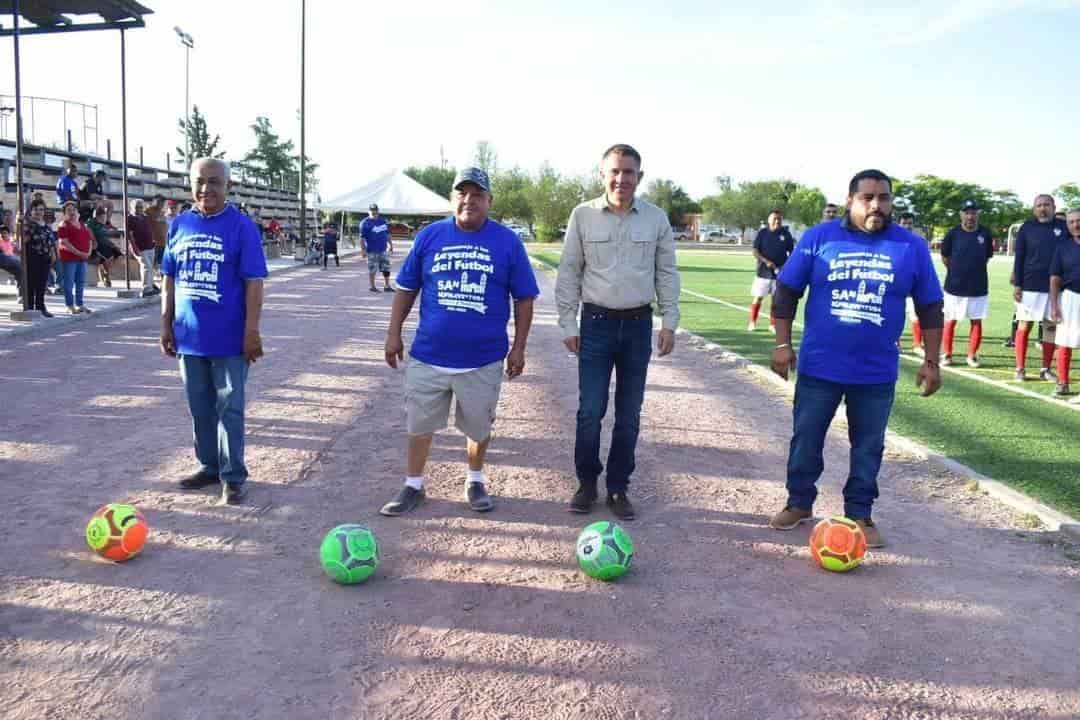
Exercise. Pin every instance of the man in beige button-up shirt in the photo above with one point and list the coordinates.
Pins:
(618, 254)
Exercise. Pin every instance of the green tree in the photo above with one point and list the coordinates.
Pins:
(197, 136)
(1069, 195)
(485, 157)
(552, 198)
(436, 178)
(512, 190)
(805, 205)
(672, 199)
(271, 160)
(935, 201)
(1004, 209)
(311, 184)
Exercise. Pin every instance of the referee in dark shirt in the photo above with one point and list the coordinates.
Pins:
(966, 251)
(1036, 242)
(772, 247)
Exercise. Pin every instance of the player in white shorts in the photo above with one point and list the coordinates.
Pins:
(1065, 299)
(966, 250)
(1036, 243)
(907, 221)
(772, 246)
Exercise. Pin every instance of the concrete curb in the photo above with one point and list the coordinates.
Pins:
(61, 322)
(1052, 519)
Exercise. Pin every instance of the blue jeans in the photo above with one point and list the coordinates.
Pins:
(625, 346)
(74, 275)
(868, 408)
(56, 274)
(215, 394)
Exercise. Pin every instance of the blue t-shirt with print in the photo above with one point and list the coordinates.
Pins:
(858, 284)
(210, 259)
(376, 234)
(66, 189)
(466, 281)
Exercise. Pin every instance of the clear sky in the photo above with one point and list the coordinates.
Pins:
(976, 91)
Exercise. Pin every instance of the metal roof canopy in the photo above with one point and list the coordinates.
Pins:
(48, 17)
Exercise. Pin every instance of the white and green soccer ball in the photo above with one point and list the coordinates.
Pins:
(604, 550)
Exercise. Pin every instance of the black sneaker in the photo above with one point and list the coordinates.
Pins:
(583, 499)
(388, 289)
(620, 506)
(45, 313)
(199, 480)
(233, 493)
(406, 501)
(478, 498)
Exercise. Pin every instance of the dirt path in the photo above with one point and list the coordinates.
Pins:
(227, 614)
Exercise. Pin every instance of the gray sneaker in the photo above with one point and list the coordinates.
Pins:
(478, 498)
(790, 518)
(406, 501)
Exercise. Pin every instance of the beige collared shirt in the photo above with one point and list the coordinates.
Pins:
(618, 262)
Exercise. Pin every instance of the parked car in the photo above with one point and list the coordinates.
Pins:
(398, 229)
(680, 234)
(521, 231)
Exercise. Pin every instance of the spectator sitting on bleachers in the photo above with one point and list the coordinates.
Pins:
(91, 194)
(76, 246)
(9, 256)
(141, 245)
(106, 250)
(66, 187)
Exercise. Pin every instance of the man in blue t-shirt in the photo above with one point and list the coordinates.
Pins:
(966, 251)
(376, 245)
(859, 270)
(1036, 242)
(466, 270)
(772, 246)
(214, 267)
(66, 187)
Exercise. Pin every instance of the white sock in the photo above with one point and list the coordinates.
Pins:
(474, 476)
(416, 483)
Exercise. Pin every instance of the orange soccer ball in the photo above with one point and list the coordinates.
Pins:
(838, 544)
(117, 532)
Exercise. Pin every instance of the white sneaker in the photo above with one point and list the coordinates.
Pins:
(946, 360)
(772, 329)
(750, 327)
(919, 351)
(973, 361)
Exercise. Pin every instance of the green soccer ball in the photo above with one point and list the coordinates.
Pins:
(349, 554)
(604, 550)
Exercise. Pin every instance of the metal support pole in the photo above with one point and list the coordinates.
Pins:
(19, 199)
(303, 169)
(124, 163)
(187, 106)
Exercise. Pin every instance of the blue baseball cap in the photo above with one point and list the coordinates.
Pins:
(969, 205)
(473, 175)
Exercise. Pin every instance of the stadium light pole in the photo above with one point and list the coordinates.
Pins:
(303, 159)
(188, 43)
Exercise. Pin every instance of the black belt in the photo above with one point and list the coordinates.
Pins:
(603, 313)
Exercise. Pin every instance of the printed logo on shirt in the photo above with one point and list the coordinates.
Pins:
(865, 302)
(198, 259)
(981, 240)
(461, 273)
(1057, 232)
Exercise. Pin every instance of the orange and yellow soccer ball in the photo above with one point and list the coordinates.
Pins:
(838, 544)
(117, 532)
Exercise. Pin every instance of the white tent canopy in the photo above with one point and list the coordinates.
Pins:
(395, 193)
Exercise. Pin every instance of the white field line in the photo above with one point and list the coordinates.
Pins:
(918, 361)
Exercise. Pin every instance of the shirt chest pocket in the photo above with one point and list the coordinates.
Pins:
(642, 250)
(600, 254)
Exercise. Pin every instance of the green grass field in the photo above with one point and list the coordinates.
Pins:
(1026, 442)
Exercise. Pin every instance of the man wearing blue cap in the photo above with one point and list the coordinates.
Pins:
(465, 269)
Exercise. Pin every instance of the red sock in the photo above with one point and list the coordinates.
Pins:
(1064, 360)
(755, 308)
(947, 337)
(1048, 354)
(916, 333)
(975, 340)
(1021, 347)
